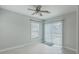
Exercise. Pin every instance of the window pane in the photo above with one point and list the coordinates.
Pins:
(34, 29)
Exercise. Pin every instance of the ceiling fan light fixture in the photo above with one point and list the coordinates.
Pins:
(38, 10)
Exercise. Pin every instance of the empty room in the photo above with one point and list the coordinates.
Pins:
(38, 29)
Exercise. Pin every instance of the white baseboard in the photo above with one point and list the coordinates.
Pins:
(19, 46)
(11, 48)
(74, 50)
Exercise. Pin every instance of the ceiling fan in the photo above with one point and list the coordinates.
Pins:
(37, 10)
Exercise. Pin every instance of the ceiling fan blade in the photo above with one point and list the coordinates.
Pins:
(45, 11)
(31, 9)
(33, 13)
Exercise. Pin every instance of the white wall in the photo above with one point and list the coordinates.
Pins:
(70, 31)
(78, 29)
(14, 29)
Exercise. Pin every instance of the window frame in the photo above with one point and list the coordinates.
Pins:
(31, 29)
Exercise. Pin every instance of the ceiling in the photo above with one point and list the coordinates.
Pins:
(55, 10)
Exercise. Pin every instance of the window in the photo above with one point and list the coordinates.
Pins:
(35, 32)
(53, 33)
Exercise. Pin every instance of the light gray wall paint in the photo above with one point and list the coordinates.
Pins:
(78, 29)
(14, 29)
(70, 30)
